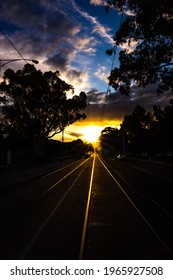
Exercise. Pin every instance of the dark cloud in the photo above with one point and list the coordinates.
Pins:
(50, 32)
(75, 74)
(103, 106)
(60, 59)
(59, 25)
(22, 13)
(45, 15)
(75, 134)
(40, 27)
(94, 96)
(60, 34)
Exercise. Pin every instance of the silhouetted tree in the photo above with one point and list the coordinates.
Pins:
(149, 133)
(136, 127)
(142, 132)
(111, 140)
(162, 128)
(147, 29)
(35, 104)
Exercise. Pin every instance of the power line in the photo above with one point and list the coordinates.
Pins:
(112, 51)
(12, 44)
(168, 94)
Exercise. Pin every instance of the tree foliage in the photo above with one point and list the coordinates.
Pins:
(149, 132)
(142, 132)
(136, 129)
(111, 140)
(148, 30)
(35, 104)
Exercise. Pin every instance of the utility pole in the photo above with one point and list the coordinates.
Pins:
(63, 136)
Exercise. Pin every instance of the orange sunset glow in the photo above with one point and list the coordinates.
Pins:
(91, 133)
(87, 131)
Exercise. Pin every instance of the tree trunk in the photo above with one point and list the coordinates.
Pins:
(39, 149)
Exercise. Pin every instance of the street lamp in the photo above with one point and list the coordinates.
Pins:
(6, 61)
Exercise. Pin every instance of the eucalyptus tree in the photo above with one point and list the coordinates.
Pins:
(136, 128)
(111, 140)
(36, 105)
(145, 37)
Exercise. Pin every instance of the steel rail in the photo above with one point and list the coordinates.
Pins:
(123, 179)
(49, 217)
(139, 212)
(151, 202)
(83, 239)
(59, 169)
(5, 223)
(63, 178)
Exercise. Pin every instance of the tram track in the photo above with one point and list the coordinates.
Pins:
(43, 225)
(82, 215)
(154, 215)
(59, 190)
(42, 193)
(83, 239)
(135, 192)
(136, 205)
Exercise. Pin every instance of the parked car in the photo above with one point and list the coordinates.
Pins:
(121, 157)
(86, 155)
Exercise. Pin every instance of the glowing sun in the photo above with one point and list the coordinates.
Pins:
(91, 133)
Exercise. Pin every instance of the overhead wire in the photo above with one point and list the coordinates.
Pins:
(108, 91)
(163, 100)
(12, 44)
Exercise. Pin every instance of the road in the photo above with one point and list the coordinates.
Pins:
(92, 208)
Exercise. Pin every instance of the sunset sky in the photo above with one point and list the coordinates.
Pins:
(71, 36)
